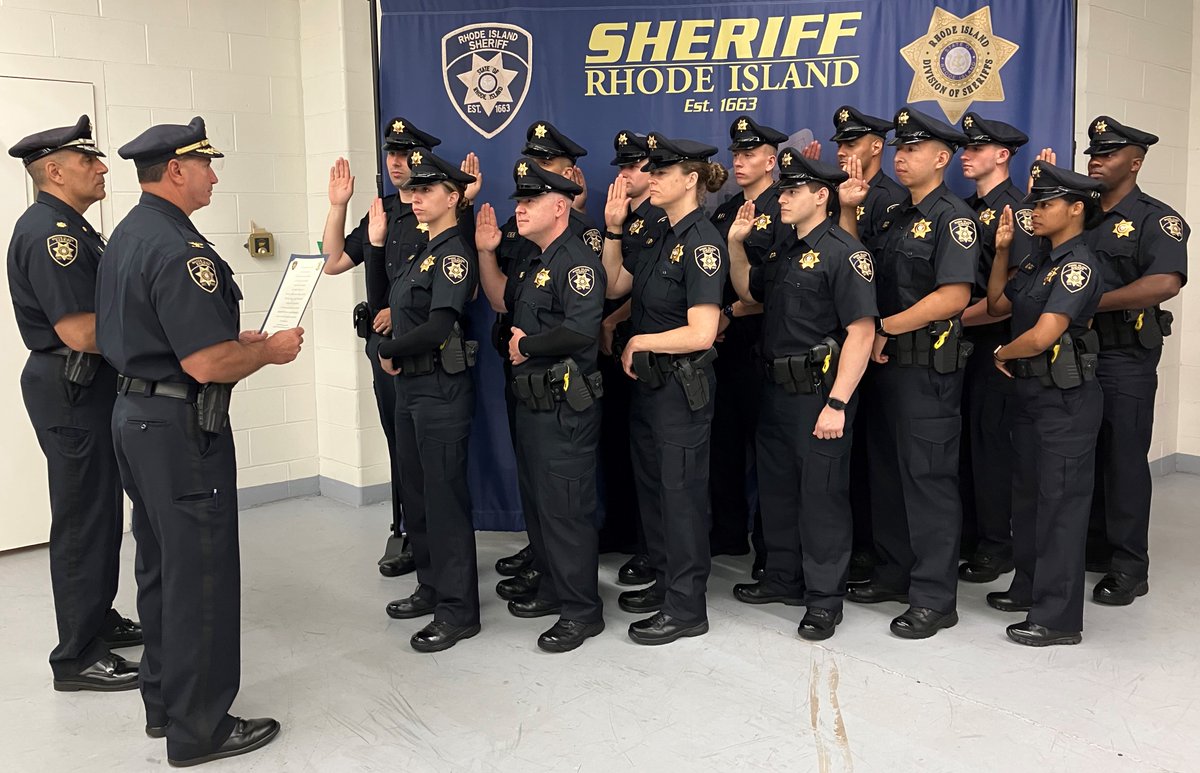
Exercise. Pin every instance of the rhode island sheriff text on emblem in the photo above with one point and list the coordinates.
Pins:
(486, 69)
(957, 62)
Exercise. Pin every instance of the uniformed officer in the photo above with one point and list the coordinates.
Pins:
(68, 392)
(631, 202)
(557, 307)
(675, 314)
(435, 400)
(818, 326)
(926, 267)
(1142, 247)
(860, 141)
(989, 401)
(556, 153)
(735, 406)
(167, 319)
(1052, 360)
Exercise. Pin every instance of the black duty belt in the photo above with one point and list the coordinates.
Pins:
(1133, 328)
(62, 351)
(172, 389)
(1067, 365)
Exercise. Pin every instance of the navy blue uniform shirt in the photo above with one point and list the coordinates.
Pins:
(688, 269)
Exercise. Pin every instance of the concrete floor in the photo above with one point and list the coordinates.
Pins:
(320, 655)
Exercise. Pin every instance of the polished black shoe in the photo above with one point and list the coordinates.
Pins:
(870, 593)
(862, 564)
(819, 624)
(247, 735)
(921, 623)
(636, 571)
(761, 593)
(1005, 603)
(438, 636)
(984, 568)
(758, 569)
(417, 605)
(1034, 635)
(523, 587)
(641, 601)
(395, 565)
(664, 629)
(534, 608)
(111, 673)
(156, 731)
(511, 566)
(566, 635)
(122, 632)
(1118, 589)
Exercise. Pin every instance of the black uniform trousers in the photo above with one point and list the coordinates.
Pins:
(556, 474)
(74, 428)
(914, 485)
(735, 414)
(986, 467)
(384, 386)
(433, 425)
(1120, 520)
(860, 467)
(183, 484)
(669, 443)
(804, 486)
(1054, 436)
(622, 528)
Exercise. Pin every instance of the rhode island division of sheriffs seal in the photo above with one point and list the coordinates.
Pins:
(486, 69)
(957, 62)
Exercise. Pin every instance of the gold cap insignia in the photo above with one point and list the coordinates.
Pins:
(455, 268)
(963, 231)
(539, 131)
(652, 142)
(676, 253)
(921, 229)
(1123, 229)
(863, 265)
(743, 125)
(708, 258)
(1101, 127)
(762, 222)
(522, 169)
(786, 159)
(622, 138)
(987, 216)
(968, 122)
(902, 119)
(844, 115)
(415, 158)
(397, 126)
(583, 279)
(204, 273)
(1035, 172)
(809, 260)
(1172, 226)
(542, 278)
(63, 249)
(427, 263)
(1075, 276)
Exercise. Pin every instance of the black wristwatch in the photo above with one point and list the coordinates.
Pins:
(879, 327)
(836, 404)
(613, 236)
(727, 310)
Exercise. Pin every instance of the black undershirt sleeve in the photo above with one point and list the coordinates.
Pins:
(425, 337)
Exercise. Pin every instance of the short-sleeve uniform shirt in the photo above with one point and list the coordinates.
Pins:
(516, 252)
(442, 276)
(688, 269)
(988, 209)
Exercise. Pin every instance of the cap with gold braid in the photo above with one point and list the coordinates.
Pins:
(42, 144)
(166, 141)
(532, 180)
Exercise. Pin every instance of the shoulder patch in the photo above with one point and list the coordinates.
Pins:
(204, 273)
(63, 249)
(1075, 276)
(962, 229)
(708, 258)
(863, 265)
(582, 279)
(591, 238)
(1024, 218)
(1172, 226)
(455, 267)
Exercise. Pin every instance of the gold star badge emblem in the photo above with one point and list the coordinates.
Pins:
(677, 253)
(742, 125)
(902, 119)
(522, 169)
(542, 278)
(652, 142)
(397, 126)
(921, 229)
(1050, 276)
(539, 131)
(622, 138)
(762, 222)
(1035, 172)
(786, 159)
(1101, 127)
(987, 216)
(968, 122)
(1123, 229)
(960, 57)
(427, 263)
(636, 228)
(423, 227)
(859, 211)
(844, 116)
(415, 158)
(809, 260)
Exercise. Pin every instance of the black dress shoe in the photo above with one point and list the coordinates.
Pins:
(1005, 603)
(664, 629)
(566, 635)
(819, 624)
(862, 565)
(247, 735)
(761, 593)
(523, 587)
(870, 593)
(418, 604)
(534, 608)
(511, 566)
(1118, 589)
(921, 623)
(156, 731)
(122, 632)
(636, 571)
(399, 564)
(758, 569)
(641, 601)
(111, 673)
(984, 568)
(438, 636)
(1034, 635)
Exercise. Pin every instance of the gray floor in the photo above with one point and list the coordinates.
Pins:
(320, 655)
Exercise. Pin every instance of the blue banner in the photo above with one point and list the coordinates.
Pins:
(477, 73)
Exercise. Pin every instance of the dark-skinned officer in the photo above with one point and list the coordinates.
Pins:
(557, 308)
(676, 312)
(167, 319)
(1142, 247)
(68, 392)
(925, 267)
(818, 327)
(1052, 362)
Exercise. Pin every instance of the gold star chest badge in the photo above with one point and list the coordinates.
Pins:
(987, 216)
(637, 226)
(427, 263)
(542, 278)
(423, 227)
(921, 229)
(762, 222)
(859, 211)
(1050, 275)
(1123, 229)
(809, 260)
(676, 253)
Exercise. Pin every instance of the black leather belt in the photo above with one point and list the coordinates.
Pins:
(172, 389)
(62, 351)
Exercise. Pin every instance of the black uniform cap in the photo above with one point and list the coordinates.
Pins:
(664, 152)
(630, 146)
(913, 126)
(796, 170)
(748, 134)
(850, 124)
(542, 140)
(1051, 182)
(981, 131)
(427, 169)
(532, 181)
(166, 141)
(402, 135)
(42, 144)
(1107, 135)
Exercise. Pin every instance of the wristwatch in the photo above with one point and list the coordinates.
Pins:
(996, 354)
(879, 327)
(836, 404)
(727, 310)
(613, 236)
